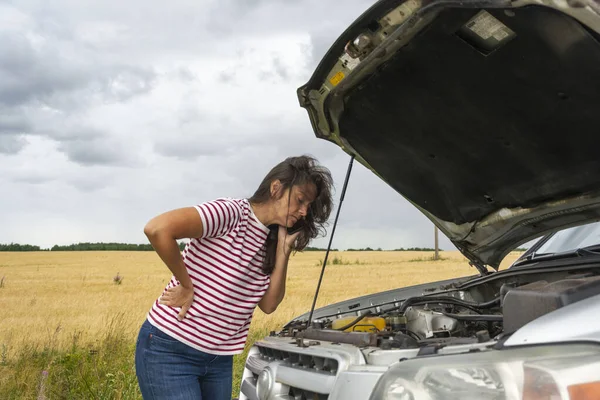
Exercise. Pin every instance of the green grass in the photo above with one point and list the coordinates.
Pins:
(101, 370)
(431, 258)
(340, 261)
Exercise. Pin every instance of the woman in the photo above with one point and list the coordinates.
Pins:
(237, 259)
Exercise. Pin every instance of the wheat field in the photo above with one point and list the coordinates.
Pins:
(51, 296)
(53, 299)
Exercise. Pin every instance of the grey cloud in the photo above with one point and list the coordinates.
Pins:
(199, 134)
(211, 143)
(205, 135)
(247, 163)
(71, 59)
(187, 150)
(189, 114)
(27, 75)
(186, 75)
(47, 86)
(93, 152)
(85, 184)
(13, 122)
(265, 75)
(277, 70)
(124, 82)
(65, 131)
(46, 74)
(280, 68)
(146, 31)
(243, 8)
(68, 63)
(12, 144)
(321, 40)
(33, 178)
(323, 24)
(273, 16)
(226, 76)
(323, 35)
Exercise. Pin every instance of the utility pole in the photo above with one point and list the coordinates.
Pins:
(437, 255)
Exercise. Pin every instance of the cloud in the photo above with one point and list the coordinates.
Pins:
(27, 74)
(321, 39)
(124, 82)
(226, 76)
(95, 152)
(49, 80)
(46, 72)
(12, 144)
(13, 123)
(276, 71)
(133, 108)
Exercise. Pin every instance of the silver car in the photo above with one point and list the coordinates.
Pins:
(484, 115)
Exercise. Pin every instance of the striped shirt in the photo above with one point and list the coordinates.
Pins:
(225, 268)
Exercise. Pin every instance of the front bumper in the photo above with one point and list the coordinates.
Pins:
(322, 370)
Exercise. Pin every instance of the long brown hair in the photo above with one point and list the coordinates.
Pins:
(290, 172)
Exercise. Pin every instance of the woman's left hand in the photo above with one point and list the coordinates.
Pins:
(285, 241)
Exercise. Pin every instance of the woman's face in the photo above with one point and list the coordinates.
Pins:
(300, 197)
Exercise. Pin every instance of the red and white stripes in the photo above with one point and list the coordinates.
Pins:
(225, 268)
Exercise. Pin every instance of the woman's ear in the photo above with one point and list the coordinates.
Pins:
(276, 189)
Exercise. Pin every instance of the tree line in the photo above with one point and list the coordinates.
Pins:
(83, 247)
(399, 249)
(148, 247)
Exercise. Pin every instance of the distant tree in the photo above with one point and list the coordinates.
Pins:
(86, 246)
(416, 249)
(317, 249)
(18, 247)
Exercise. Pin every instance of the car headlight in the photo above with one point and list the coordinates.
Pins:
(559, 372)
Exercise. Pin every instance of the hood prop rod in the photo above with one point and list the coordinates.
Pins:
(312, 309)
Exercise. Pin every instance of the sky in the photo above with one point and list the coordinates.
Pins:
(114, 112)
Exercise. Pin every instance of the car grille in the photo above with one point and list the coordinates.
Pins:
(308, 377)
(301, 394)
(297, 360)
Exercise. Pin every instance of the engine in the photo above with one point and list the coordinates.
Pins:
(419, 321)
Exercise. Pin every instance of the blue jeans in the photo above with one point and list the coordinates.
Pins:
(168, 369)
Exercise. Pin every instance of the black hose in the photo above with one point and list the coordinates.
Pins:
(478, 317)
(489, 304)
(357, 320)
(413, 335)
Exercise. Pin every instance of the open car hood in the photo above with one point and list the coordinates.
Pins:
(484, 114)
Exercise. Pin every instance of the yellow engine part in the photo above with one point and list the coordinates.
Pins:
(367, 324)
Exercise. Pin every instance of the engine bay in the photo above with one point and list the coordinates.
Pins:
(455, 317)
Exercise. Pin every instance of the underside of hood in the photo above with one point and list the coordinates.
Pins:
(486, 115)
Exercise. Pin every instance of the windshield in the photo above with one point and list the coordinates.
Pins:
(572, 239)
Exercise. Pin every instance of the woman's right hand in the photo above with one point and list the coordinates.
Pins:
(178, 296)
(286, 241)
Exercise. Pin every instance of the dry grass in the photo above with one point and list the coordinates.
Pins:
(50, 298)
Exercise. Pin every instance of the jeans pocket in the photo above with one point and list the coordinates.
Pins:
(160, 338)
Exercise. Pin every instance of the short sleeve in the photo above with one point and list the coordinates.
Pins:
(219, 216)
